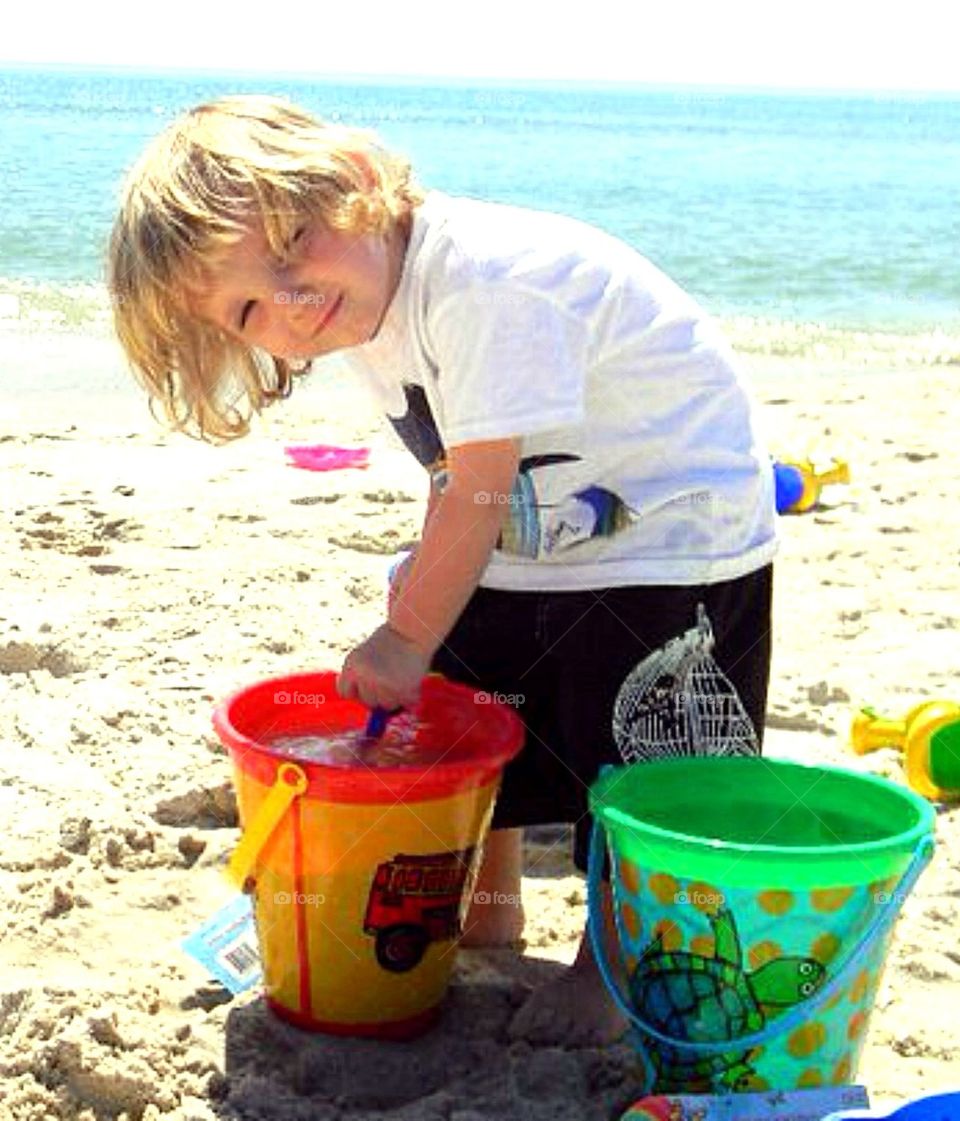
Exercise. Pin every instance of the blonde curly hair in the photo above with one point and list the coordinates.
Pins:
(197, 189)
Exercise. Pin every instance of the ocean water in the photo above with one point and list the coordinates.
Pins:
(800, 209)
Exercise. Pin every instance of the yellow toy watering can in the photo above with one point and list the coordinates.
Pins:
(929, 736)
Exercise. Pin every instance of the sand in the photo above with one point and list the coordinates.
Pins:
(147, 577)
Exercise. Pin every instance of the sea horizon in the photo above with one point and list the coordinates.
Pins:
(481, 81)
(794, 207)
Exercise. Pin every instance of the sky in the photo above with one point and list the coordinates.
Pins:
(804, 44)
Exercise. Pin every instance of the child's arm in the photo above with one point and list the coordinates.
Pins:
(459, 534)
(462, 526)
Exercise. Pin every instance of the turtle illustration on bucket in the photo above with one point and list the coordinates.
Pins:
(415, 900)
(710, 999)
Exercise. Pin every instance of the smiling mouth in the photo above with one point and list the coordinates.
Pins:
(326, 315)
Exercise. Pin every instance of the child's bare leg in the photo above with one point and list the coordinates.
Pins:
(575, 1010)
(495, 917)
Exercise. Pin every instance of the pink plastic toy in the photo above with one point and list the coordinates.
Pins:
(322, 457)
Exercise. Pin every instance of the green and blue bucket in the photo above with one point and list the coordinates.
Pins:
(754, 903)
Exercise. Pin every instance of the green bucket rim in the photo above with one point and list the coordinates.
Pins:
(696, 856)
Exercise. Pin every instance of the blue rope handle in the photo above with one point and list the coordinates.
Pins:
(789, 1020)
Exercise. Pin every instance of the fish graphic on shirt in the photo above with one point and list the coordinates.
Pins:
(536, 529)
(533, 529)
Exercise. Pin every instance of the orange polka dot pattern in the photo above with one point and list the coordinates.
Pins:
(680, 916)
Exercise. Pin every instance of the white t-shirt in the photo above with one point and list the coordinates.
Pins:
(640, 460)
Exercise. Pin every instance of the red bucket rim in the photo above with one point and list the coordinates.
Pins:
(503, 734)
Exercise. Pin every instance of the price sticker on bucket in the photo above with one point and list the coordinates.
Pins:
(226, 945)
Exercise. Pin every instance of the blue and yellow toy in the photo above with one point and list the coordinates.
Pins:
(799, 484)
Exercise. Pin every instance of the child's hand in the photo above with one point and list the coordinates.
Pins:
(384, 670)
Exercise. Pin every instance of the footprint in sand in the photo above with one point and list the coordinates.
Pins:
(384, 544)
(73, 534)
(315, 499)
(26, 657)
(387, 497)
(199, 807)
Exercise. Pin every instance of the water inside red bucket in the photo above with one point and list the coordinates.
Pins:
(401, 745)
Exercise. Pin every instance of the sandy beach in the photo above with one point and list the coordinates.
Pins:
(147, 576)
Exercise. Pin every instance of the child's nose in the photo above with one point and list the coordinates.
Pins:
(301, 307)
(281, 319)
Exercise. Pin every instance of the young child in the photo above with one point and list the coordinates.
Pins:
(595, 470)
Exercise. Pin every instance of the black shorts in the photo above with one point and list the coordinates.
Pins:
(561, 657)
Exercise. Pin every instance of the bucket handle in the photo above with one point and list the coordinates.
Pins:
(290, 783)
(887, 912)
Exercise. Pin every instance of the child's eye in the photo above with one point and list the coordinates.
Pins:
(296, 236)
(245, 313)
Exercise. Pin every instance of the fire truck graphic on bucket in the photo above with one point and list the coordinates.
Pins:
(413, 901)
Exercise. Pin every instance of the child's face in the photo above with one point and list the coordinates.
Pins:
(331, 291)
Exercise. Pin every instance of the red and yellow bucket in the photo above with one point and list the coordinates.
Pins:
(361, 876)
